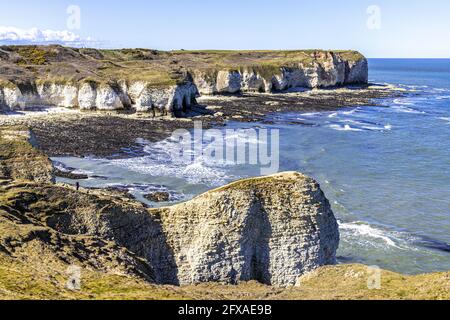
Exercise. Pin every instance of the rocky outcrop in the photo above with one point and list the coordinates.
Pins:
(63, 95)
(356, 71)
(328, 69)
(87, 96)
(107, 98)
(19, 160)
(271, 229)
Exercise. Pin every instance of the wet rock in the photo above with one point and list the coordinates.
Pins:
(70, 175)
(159, 196)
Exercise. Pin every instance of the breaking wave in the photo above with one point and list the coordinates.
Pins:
(368, 235)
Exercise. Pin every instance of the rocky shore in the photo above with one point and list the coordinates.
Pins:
(105, 134)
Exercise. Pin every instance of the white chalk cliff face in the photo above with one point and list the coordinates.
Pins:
(108, 99)
(87, 96)
(332, 70)
(253, 82)
(139, 96)
(56, 94)
(270, 229)
(357, 72)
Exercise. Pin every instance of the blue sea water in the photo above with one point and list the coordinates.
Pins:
(385, 169)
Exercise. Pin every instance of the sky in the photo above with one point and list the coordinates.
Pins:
(377, 28)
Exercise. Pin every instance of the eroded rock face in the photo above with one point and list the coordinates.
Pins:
(327, 70)
(87, 96)
(139, 96)
(229, 81)
(13, 99)
(271, 229)
(58, 94)
(108, 99)
(356, 72)
(19, 160)
(253, 82)
(319, 69)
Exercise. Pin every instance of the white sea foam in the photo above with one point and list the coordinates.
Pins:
(404, 109)
(441, 90)
(343, 127)
(333, 115)
(38, 111)
(413, 87)
(241, 137)
(81, 171)
(350, 111)
(160, 162)
(373, 128)
(357, 125)
(445, 119)
(195, 173)
(402, 102)
(61, 166)
(310, 114)
(352, 230)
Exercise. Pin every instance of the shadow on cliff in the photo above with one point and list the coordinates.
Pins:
(255, 245)
(144, 236)
(87, 215)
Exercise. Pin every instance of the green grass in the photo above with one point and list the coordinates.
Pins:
(21, 280)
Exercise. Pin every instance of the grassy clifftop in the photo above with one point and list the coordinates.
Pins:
(20, 280)
(64, 65)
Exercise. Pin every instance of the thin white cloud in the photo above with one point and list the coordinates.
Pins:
(13, 35)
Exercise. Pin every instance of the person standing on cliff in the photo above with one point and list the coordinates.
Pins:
(77, 186)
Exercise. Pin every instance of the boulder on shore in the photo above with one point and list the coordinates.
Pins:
(158, 196)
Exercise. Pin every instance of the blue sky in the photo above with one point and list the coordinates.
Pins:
(414, 28)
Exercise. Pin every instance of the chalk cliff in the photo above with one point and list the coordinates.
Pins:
(270, 229)
(328, 69)
(161, 82)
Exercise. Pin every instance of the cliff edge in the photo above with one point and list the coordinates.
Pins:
(159, 82)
